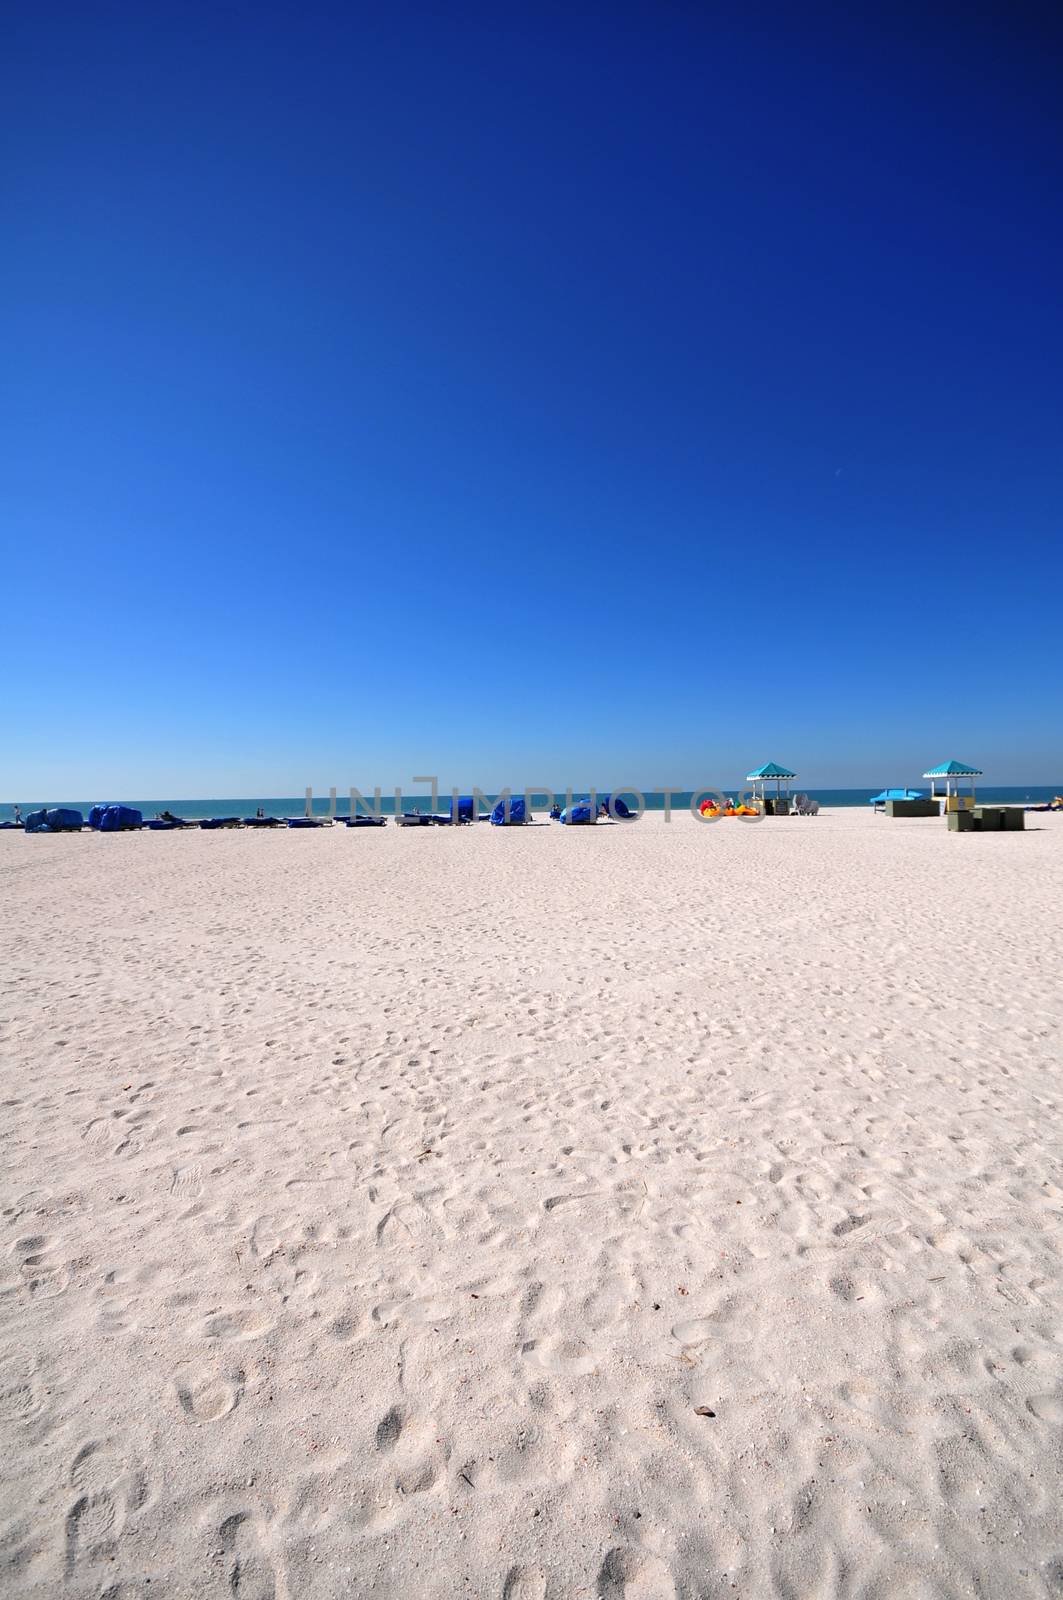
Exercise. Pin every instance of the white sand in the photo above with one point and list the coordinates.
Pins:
(381, 1208)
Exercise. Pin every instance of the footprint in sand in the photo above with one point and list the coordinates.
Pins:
(25, 1203)
(406, 1224)
(413, 1459)
(404, 1433)
(524, 1583)
(101, 1129)
(209, 1396)
(95, 1468)
(854, 1290)
(250, 1574)
(20, 1402)
(555, 1202)
(1046, 1407)
(21, 1399)
(389, 1429)
(567, 1357)
(625, 1200)
(32, 1248)
(345, 1327)
(42, 1275)
(695, 1331)
(1026, 1356)
(93, 1523)
(417, 1310)
(269, 1234)
(850, 1224)
(234, 1325)
(100, 1471)
(629, 1574)
(186, 1182)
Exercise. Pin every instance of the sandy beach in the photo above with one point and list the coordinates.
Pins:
(647, 1210)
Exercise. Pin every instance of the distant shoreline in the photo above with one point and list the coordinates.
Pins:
(294, 805)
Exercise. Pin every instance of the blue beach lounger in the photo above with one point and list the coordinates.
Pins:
(362, 820)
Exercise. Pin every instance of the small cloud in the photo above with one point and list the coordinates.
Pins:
(837, 472)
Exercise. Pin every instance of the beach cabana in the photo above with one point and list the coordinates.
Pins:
(951, 773)
(771, 772)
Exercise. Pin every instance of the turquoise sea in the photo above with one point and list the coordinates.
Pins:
(294, 805)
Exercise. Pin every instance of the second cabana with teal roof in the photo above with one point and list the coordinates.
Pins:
(950, 773)
(771, 772)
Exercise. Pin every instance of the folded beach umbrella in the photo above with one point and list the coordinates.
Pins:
(115, 819)
(510, 813)
(56, 819)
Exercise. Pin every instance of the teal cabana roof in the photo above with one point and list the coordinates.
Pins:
(954, 769)
(770, 769)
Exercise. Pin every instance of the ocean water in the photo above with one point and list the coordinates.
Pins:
(294, 805)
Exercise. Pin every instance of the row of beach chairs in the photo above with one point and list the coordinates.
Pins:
(511, 812)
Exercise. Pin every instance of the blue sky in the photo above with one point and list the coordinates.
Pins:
(542, 394)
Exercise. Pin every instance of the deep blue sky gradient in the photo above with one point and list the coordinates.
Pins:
(553, 394)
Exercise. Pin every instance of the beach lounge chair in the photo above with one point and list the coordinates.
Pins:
(362, 820)
(219, 822)
(166, 822)
(261, 822)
